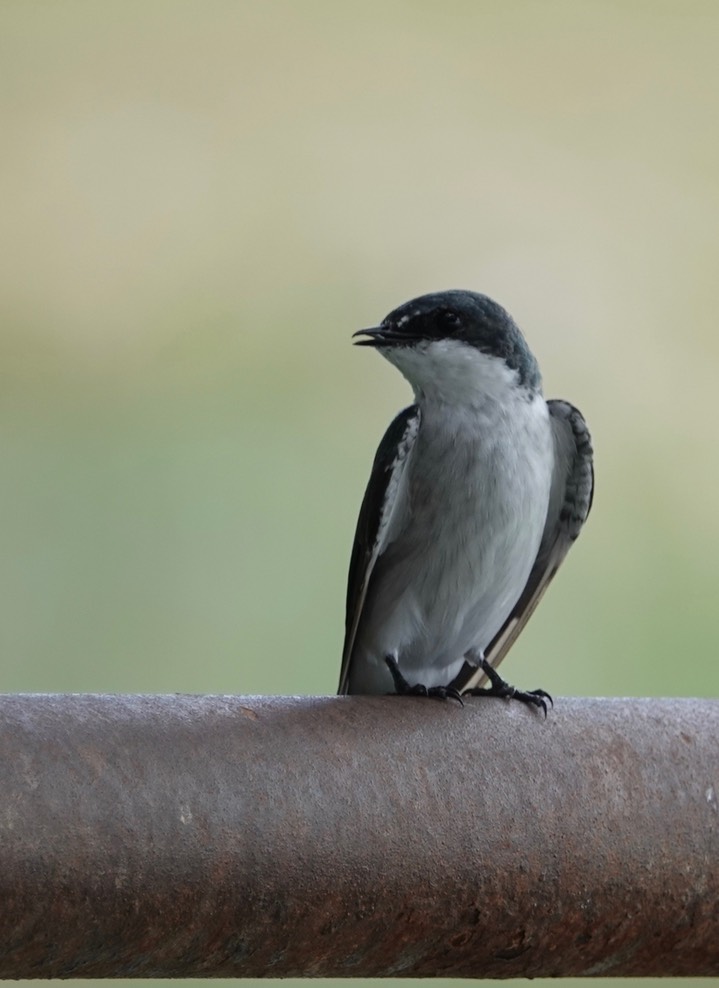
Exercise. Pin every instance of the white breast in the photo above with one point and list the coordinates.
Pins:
(464, 534)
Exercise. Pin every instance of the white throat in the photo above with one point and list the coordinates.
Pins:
(454, 373)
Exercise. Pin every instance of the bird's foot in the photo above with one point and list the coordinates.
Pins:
(501, 688)
(403, 688)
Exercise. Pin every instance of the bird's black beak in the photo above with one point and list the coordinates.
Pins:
(375, 336)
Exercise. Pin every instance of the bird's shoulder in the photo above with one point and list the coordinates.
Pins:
(573, 486)
(380, 493)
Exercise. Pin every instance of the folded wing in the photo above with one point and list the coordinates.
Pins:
(569, 505)
(374, 522)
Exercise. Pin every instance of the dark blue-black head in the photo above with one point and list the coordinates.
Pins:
(466, 319)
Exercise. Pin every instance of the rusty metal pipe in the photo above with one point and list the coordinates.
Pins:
(181, 836)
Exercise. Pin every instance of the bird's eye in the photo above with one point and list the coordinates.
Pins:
(450, 319)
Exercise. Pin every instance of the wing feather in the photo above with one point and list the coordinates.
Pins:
(570, 501)
(373, 522)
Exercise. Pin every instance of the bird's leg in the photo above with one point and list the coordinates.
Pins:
(499, 687)
(403, 688)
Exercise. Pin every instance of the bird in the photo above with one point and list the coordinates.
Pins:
(477, 491)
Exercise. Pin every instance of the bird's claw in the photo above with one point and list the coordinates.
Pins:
(500, 688)
(403, 688)
(535, 698)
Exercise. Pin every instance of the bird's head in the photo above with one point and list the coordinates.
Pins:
(457, 346)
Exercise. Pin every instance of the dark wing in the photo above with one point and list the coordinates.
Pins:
(373, 522)
(570, 500)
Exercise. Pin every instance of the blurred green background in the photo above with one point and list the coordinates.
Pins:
(202, 201)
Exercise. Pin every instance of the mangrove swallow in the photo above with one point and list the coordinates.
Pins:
(477, 491)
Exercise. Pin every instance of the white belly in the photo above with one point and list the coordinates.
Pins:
(470, 514)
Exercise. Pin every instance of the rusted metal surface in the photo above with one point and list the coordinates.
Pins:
(228, 836)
